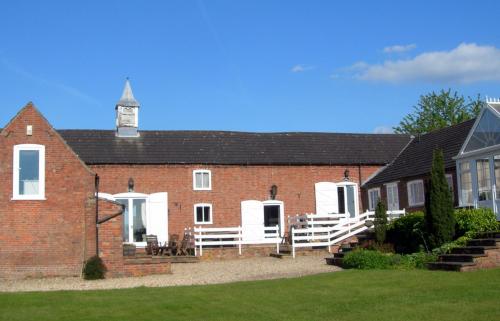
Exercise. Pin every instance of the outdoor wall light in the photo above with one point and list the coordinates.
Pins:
(130, 184)
(274, 191)
(346, 174)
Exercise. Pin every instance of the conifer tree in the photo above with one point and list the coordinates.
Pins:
(380, 222)
(439, 219)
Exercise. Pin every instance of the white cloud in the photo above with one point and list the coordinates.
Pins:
(466, 63)
(399, 48)
(301, 68)
(383, 130)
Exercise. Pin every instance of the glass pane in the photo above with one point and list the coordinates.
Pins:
(465, 183)
(341, 200)
(487, 132)
(206, 214)
(351, 201)
(139, 220)
(198, 178)
(483, 179)
(199, 214)
(497, 175)
(206, 180)
(28, 172)
(125, 219)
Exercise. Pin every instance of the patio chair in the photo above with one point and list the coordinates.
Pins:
(173, 244)
(153, 247)
(186, 245)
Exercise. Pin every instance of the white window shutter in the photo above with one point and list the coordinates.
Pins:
(252, 220)
(157, 216)
(326, 198)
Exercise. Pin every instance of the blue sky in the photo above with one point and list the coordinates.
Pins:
(337, 66)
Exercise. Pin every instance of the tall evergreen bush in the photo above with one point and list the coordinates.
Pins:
(380, 222)
(439, 219)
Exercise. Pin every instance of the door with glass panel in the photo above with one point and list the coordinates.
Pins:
(134, 220)
(484, 183)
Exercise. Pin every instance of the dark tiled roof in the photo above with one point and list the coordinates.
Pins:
(416, 159)
(223, 147)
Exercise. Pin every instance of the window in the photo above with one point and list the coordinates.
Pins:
(465, 183)
(29, 172)
(483, 179)
(203, 213)
(202, 180)
(373, 198)
(416, 195)
(392, 197)
(449, 180)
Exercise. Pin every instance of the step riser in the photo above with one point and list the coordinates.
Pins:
(465, 250)
(485, 242)
(452, 258)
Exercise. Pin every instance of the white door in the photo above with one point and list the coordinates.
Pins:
(392, 197)
(326, 198)
(252, 221)
(157, 216)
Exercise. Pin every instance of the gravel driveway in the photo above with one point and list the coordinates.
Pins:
(210, 272)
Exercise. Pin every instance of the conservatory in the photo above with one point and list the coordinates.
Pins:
(478, 162)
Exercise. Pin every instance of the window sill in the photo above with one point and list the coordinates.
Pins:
(416, 205)
(202, 189)
(203, 223)
(31, 198)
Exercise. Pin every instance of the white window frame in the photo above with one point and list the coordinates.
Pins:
(408, 188)
(202, 171)
(371, 205)
(203, 205)
(41, 172)
(130, 197)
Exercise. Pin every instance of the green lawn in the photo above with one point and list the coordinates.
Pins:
(348, 295)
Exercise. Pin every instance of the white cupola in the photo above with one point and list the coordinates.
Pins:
(127, 113)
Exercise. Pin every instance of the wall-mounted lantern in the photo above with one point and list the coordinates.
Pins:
(273, 192)
(130, 184)
(346, 174)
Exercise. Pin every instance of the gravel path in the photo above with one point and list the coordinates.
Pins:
(187, 274)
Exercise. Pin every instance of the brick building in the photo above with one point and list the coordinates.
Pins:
(166, 181)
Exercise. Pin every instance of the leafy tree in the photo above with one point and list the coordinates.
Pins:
(439, 218)
(380, 222)
(439, 110)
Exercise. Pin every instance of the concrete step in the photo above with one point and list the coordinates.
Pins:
(459, 257)
(470, 249)
(482, 242)
(333, 261)
(448, 266)
(281, 255)
(489, 235)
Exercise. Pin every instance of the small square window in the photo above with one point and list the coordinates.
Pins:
(202, 180)
(203, 213)
(29, 172)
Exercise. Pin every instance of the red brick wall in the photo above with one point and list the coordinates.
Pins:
(230, 186)
(44, 237)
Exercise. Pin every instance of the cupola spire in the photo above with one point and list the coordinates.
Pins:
(127, 113)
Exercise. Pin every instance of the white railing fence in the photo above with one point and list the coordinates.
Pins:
(307, 230)
(232, 236)
(309, 234)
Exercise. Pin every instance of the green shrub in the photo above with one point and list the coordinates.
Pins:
(406, 233)
(94, 269)
(472, 221)
(366, 259)
(446, 247)
(380, 222)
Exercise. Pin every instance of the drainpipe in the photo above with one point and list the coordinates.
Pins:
(96, 214)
